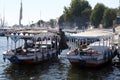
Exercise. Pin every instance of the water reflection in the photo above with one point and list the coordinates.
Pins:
(49, 71)
(24, 72)
(104, 73)
(59, 70)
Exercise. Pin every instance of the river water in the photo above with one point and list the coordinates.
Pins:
(60, 69)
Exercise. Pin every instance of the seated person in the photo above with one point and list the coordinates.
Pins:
(28, 45)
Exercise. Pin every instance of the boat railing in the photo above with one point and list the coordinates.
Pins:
(88, 57)
(86, 54)
(31, 44)
(29, 51)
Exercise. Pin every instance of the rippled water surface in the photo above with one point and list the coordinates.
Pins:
(60, 69)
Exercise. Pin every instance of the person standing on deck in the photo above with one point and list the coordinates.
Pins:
(63, 41)
(25, 44)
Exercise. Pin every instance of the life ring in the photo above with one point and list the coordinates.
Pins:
(14, 59)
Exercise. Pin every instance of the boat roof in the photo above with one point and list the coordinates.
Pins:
(93, 33)
(34, 31)
(31, 34)
(99, 46)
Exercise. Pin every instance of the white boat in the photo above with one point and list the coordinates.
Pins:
(39, 46)
(3, 30)
(95, 53)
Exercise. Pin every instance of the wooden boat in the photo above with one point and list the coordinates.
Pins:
(38, 47)
(95, 53)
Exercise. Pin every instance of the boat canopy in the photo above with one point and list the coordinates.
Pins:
(30, 35)
(93, 34)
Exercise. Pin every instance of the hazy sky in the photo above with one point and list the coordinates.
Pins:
(33, 10)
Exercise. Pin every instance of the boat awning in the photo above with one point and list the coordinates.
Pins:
(93, 34)
(31, 35)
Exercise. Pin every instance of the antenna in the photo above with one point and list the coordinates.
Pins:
(3, 15)
(40, 18)
(20, 17)
(119, 9)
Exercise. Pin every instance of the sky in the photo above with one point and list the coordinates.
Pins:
(34, 10)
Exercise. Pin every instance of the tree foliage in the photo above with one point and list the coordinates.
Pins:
(108, 17)
(40, 22)
(97, 14)
(78, 13)
(61, 21)
(51, 22)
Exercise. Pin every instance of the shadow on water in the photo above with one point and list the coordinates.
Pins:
(48, 71)
(27, 72)
(108, 72)
(60, 70)
(24, 72)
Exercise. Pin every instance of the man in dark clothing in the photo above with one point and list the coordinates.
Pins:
(25, 44)
(63, 41)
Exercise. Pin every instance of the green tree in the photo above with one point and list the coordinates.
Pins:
(67, 15)
(32, 25)
(81, 11)
(61, 21)
(97, 14)
(108, 17)
(119, 11)
(52, 22)
(78, 13)
(40, 22)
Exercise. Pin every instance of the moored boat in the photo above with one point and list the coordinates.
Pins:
(38, 47)
(94, 54)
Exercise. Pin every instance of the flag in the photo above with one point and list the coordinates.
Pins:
(20, 17)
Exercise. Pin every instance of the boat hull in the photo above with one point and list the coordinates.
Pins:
(83, 63)
(30, 59)
(76, 60)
